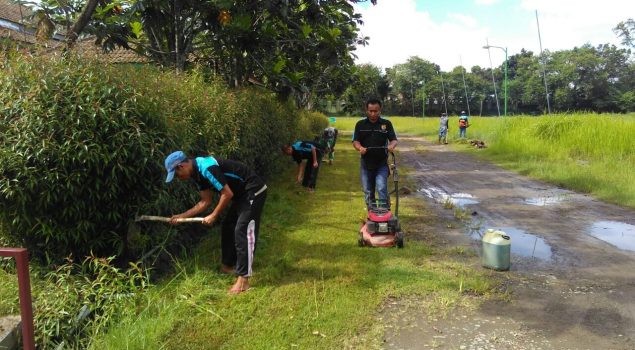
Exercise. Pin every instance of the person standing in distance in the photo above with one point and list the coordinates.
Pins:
(373, 138)
(236, 183)
(464, 123)
(443, 128)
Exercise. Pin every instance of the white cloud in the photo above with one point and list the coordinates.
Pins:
(397, 31)
(564, 24)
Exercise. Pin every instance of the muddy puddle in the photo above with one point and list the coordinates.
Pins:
(544, 201)
(522, 243)
(456, 199)
(618, 234)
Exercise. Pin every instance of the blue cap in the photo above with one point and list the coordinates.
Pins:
(172, 161)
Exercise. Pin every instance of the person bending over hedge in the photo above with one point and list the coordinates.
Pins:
(236, 183)
(313, 154)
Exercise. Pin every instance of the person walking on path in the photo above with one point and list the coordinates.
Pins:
(373, 138)
(236, 183)
(464, 123)
(299, 151)
(443, 128)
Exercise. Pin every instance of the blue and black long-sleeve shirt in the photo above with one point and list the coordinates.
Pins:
(213, 174)
(302, 150)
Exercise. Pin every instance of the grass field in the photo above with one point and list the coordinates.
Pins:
(588, 153)
(314, 288)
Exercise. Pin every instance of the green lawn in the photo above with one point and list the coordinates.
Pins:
(314, 288)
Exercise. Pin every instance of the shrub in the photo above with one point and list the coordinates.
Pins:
(82, 147)
(76, 156)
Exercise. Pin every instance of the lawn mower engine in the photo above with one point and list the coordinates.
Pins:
(381, 229)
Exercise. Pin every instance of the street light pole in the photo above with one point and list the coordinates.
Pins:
(412, 97)
(423, 98)
(505, 50)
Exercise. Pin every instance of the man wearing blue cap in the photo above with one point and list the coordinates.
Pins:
(236, 183)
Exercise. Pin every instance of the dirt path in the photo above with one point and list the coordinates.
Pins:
(569, 289)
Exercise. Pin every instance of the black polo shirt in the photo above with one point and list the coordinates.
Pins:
(376, 134)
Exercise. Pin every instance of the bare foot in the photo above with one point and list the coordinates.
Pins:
(241, 285)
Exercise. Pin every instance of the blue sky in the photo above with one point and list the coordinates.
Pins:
(447, 32)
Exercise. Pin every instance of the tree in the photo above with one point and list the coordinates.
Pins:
(626, 31)
(405, 81)
(367, 81)
(290, 46)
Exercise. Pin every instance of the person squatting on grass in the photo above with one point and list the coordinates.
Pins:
(444, 127)
(373, 138)
(310, 151)
(236, 183)
(464, 123)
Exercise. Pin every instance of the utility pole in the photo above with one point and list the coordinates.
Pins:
(423, 98)
(445, 101)
(467, 100)
(544, 70)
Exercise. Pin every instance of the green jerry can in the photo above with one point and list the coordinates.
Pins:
(496, 250)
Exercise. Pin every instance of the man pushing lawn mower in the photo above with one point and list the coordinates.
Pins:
(235, 183)
(374, 138)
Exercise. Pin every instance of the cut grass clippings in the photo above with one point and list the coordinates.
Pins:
(313, 287)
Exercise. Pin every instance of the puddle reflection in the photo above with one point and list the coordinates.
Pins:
(523, 243)
(457, 199)
(543, 201)
(618, 234)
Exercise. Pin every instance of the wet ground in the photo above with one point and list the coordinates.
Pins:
(572, 276)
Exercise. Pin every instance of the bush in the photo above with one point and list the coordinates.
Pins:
(76, 156)
(82, 147)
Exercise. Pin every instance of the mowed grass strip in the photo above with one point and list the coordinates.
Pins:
(588, 153)
(314, 288)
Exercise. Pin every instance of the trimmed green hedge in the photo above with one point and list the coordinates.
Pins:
(82, 145)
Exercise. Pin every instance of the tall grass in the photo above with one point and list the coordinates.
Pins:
(589, 153)
(313, 287)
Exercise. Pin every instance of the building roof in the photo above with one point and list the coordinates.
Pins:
(119, 55)
(15, 25)
(13, 12)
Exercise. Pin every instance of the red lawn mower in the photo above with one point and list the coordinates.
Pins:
(382, 228)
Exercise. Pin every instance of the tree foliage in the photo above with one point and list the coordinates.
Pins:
(584, 78)
(294, 47)
(626, 31)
